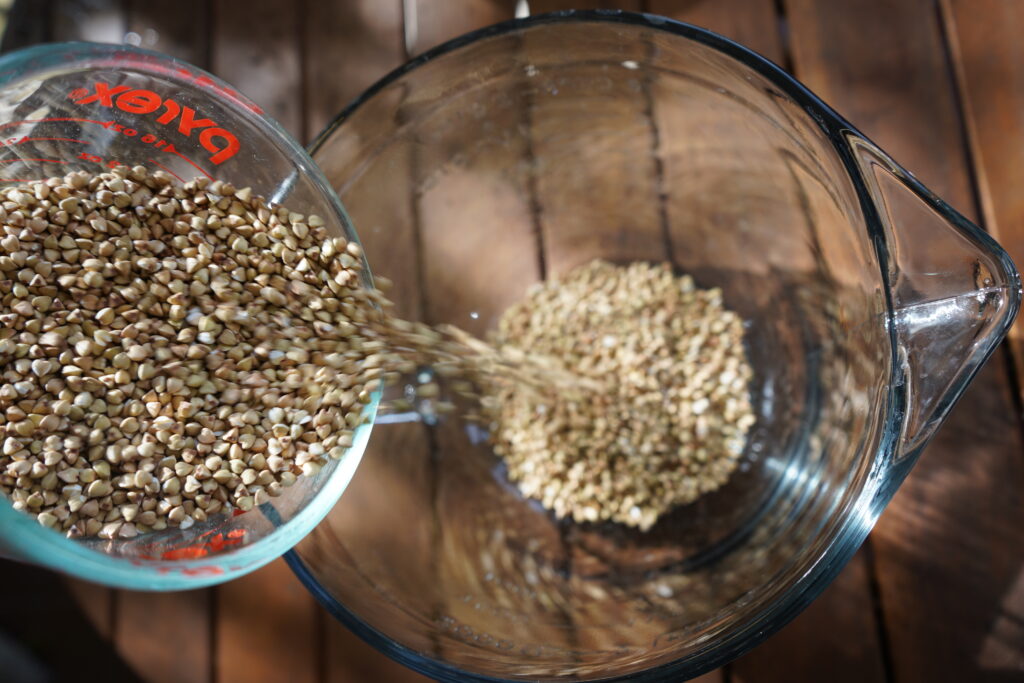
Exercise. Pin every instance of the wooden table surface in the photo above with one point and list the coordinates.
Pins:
(937, 592)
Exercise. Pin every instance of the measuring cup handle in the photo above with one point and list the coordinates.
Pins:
(953, 292)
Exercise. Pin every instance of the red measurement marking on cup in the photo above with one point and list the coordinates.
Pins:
(216, 543)
(221, 541)
(147, 139)
(213, 541)
(48, 161)
(189, 553)
(11, 142)
(96, 159)
(18, 123)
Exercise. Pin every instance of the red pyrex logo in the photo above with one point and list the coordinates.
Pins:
(220, 143)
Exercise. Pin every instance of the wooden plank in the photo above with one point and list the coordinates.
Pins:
(99, 603)
(612, 213)
(834, 639)
(477, 186)
(807, 648)
(430, 23)
(28, 23)
(165, 637)
(988, 57)
(99, 21)
(890, 89)
(486, 529)
(754, 24)
(266, 624)
(43, 636)
(380, 519)
(580, 217)
(255, 48)
(350, 660)
(950, 546)
(383, 522)
(180, 28)
(348, 46)
(574, 218)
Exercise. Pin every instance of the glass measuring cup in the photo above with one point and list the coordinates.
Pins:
(869, 305)
(80, 106)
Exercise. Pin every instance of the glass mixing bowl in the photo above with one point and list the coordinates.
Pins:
(80, 106)
(527, 148)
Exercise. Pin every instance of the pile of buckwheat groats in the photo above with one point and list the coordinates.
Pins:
(169, 352)
(670, 421)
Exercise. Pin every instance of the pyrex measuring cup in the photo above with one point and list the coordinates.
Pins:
(78, 106)
(534, 146)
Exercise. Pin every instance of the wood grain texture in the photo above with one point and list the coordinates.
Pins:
(165, 637)
(478, 196)
(44, 636)
(99, 21)
(896, 88)
(752, 23)
(595, 169)
(988, 55)
(950, 557)
(28, 23)
(348, 46)
(180, 28)
(350, 660)
(435, 22)
(99, 603)
(596, 189)
(835, 638)
(255, 48)
(266, 625)
(380, 518)
(950, 547)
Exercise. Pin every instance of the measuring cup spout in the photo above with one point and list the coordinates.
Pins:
(953, 292)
